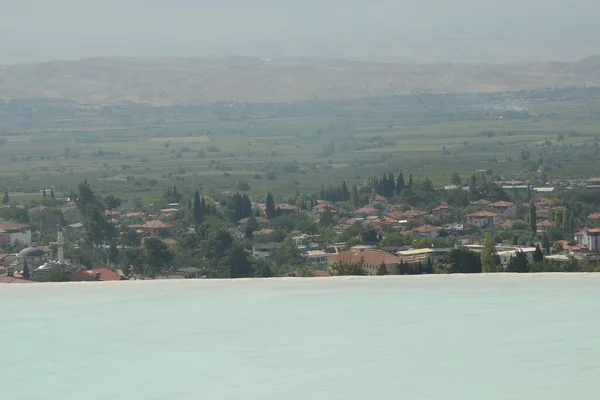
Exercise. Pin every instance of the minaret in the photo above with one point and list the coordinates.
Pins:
(60, 242)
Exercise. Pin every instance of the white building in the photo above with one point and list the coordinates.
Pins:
(317, 258)
(481, 219)
(13, 232)
(590, 238)
(427, 231)
(506, 209)
(264, 250)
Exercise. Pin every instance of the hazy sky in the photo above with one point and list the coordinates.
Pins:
(386, 30)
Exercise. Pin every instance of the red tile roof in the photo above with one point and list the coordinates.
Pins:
(13, 226)
(110, 213)
(544, 224)
(370, 257)
(90, 275)
(286, 207)
(264, 231)
(405, 214)
(509, 224)
(443, 207)
(594, 216)
(502, 204)
(481, 214)
(426, 229)
(481, 202)
(156, 224)
(366, 210)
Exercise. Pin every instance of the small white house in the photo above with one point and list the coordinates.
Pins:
(264, 250)
(13, 232)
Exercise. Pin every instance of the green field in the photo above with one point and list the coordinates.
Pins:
(136, 151)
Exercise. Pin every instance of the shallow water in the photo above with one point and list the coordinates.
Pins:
(456, 337)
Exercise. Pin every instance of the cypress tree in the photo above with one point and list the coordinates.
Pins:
(44, 194)
(355, 198)
(410, 181)
(400, 184)
(26, 274)
(538, 256)
(532, 219)
(270, 206)
(489, 257)
(198, 209)
(345, 193)
(6, 199)
(52, 196)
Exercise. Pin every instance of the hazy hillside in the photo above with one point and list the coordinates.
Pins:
(169, 81)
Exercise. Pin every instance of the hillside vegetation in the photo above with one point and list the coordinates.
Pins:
(174, 81)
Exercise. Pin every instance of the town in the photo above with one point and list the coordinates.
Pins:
(390, 225)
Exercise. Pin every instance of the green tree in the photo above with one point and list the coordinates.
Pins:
(158, 256)
(305, 272)
(198, 209)
(368, 235)
(270, 206)
(546, 242)
(429, 268)
(399, 184)
(6, 198)
(532, 219)
(473, 193)
(26, 274)
(262, 269)
(355, 199)
(463, 261)
(456, 179)
(382, 270)
(97, 227)
(326, 219)
(345, 268)
(44, 194)
(52, 195)
(240, 267)
(287, 256)
(518, 263)
(489, 257)
(538, 256)
(111, 202)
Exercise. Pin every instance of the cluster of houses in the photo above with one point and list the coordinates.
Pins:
(379, 214)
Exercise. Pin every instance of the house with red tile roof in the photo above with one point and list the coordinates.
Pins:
(480, 203)
(428, 231)
(481, 219)
(112, 213)
(505, 209)
(405, 215)
(510, 224)
(371, 260)
(594, 217)
(324, 207)
(543, 226)
(94, 275)
(13, 232)
(170, 243)
(366, 211)
(442, 211)
(286, 208)
(590, 238)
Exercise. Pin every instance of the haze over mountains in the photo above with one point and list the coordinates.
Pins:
(370, 31)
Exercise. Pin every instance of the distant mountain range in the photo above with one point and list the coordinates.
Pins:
(181, 80)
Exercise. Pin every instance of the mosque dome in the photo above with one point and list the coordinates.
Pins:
(29, 252)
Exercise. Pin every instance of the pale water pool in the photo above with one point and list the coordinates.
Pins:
(456, 337)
